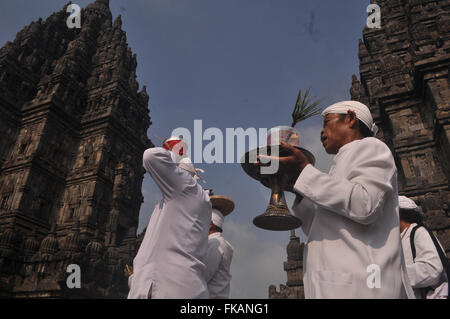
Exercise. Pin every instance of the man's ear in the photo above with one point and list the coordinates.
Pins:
(352, 119)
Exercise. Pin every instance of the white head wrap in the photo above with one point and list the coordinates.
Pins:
(217, 218)
(362, 112)
(186, 164)
(407, 203)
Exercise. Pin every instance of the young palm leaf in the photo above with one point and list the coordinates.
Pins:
(305, 108)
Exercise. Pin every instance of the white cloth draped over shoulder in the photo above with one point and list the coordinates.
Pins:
(218, 276)
(170, 263)
(351, 220)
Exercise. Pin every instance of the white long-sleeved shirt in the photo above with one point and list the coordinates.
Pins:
(218, 263)
(427, 269)
(350, 217)
(170, 263)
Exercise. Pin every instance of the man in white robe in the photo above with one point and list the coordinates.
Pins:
(350, 215)
(220, 251)
(170, 263)
(425, 272)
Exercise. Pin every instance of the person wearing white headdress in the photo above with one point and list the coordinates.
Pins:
(350, 215)
(426, 272)
(170, 263)
(220, 251)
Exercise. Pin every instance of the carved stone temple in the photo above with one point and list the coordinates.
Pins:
(404, 78)
(294, 269)
(73, 128)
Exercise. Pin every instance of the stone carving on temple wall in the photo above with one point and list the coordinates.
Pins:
(143, 95)
(6, 192)
(374, 44)
(8, 139)
(88, 154)
(391, 63)
(394, 26)
(375, 86)
(26, 139)
(443, 24)
(357, 91)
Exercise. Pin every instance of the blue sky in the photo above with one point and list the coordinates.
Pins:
(233, 63)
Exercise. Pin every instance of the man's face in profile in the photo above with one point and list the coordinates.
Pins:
(334, 131)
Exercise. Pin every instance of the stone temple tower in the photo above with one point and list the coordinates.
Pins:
(73, 129)
(294, 270)
(404, 78)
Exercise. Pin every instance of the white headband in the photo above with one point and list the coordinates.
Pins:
(217, 218)
(407, 203)
(362, 112)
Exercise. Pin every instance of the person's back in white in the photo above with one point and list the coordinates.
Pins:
(425, 272)
(220, 251)
(218, 276)
(171, 259)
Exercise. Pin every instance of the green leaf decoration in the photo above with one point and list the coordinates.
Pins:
(305, 107)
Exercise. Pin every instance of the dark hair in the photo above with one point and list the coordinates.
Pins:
(411, 216)
(363, 129)
(216, 228)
